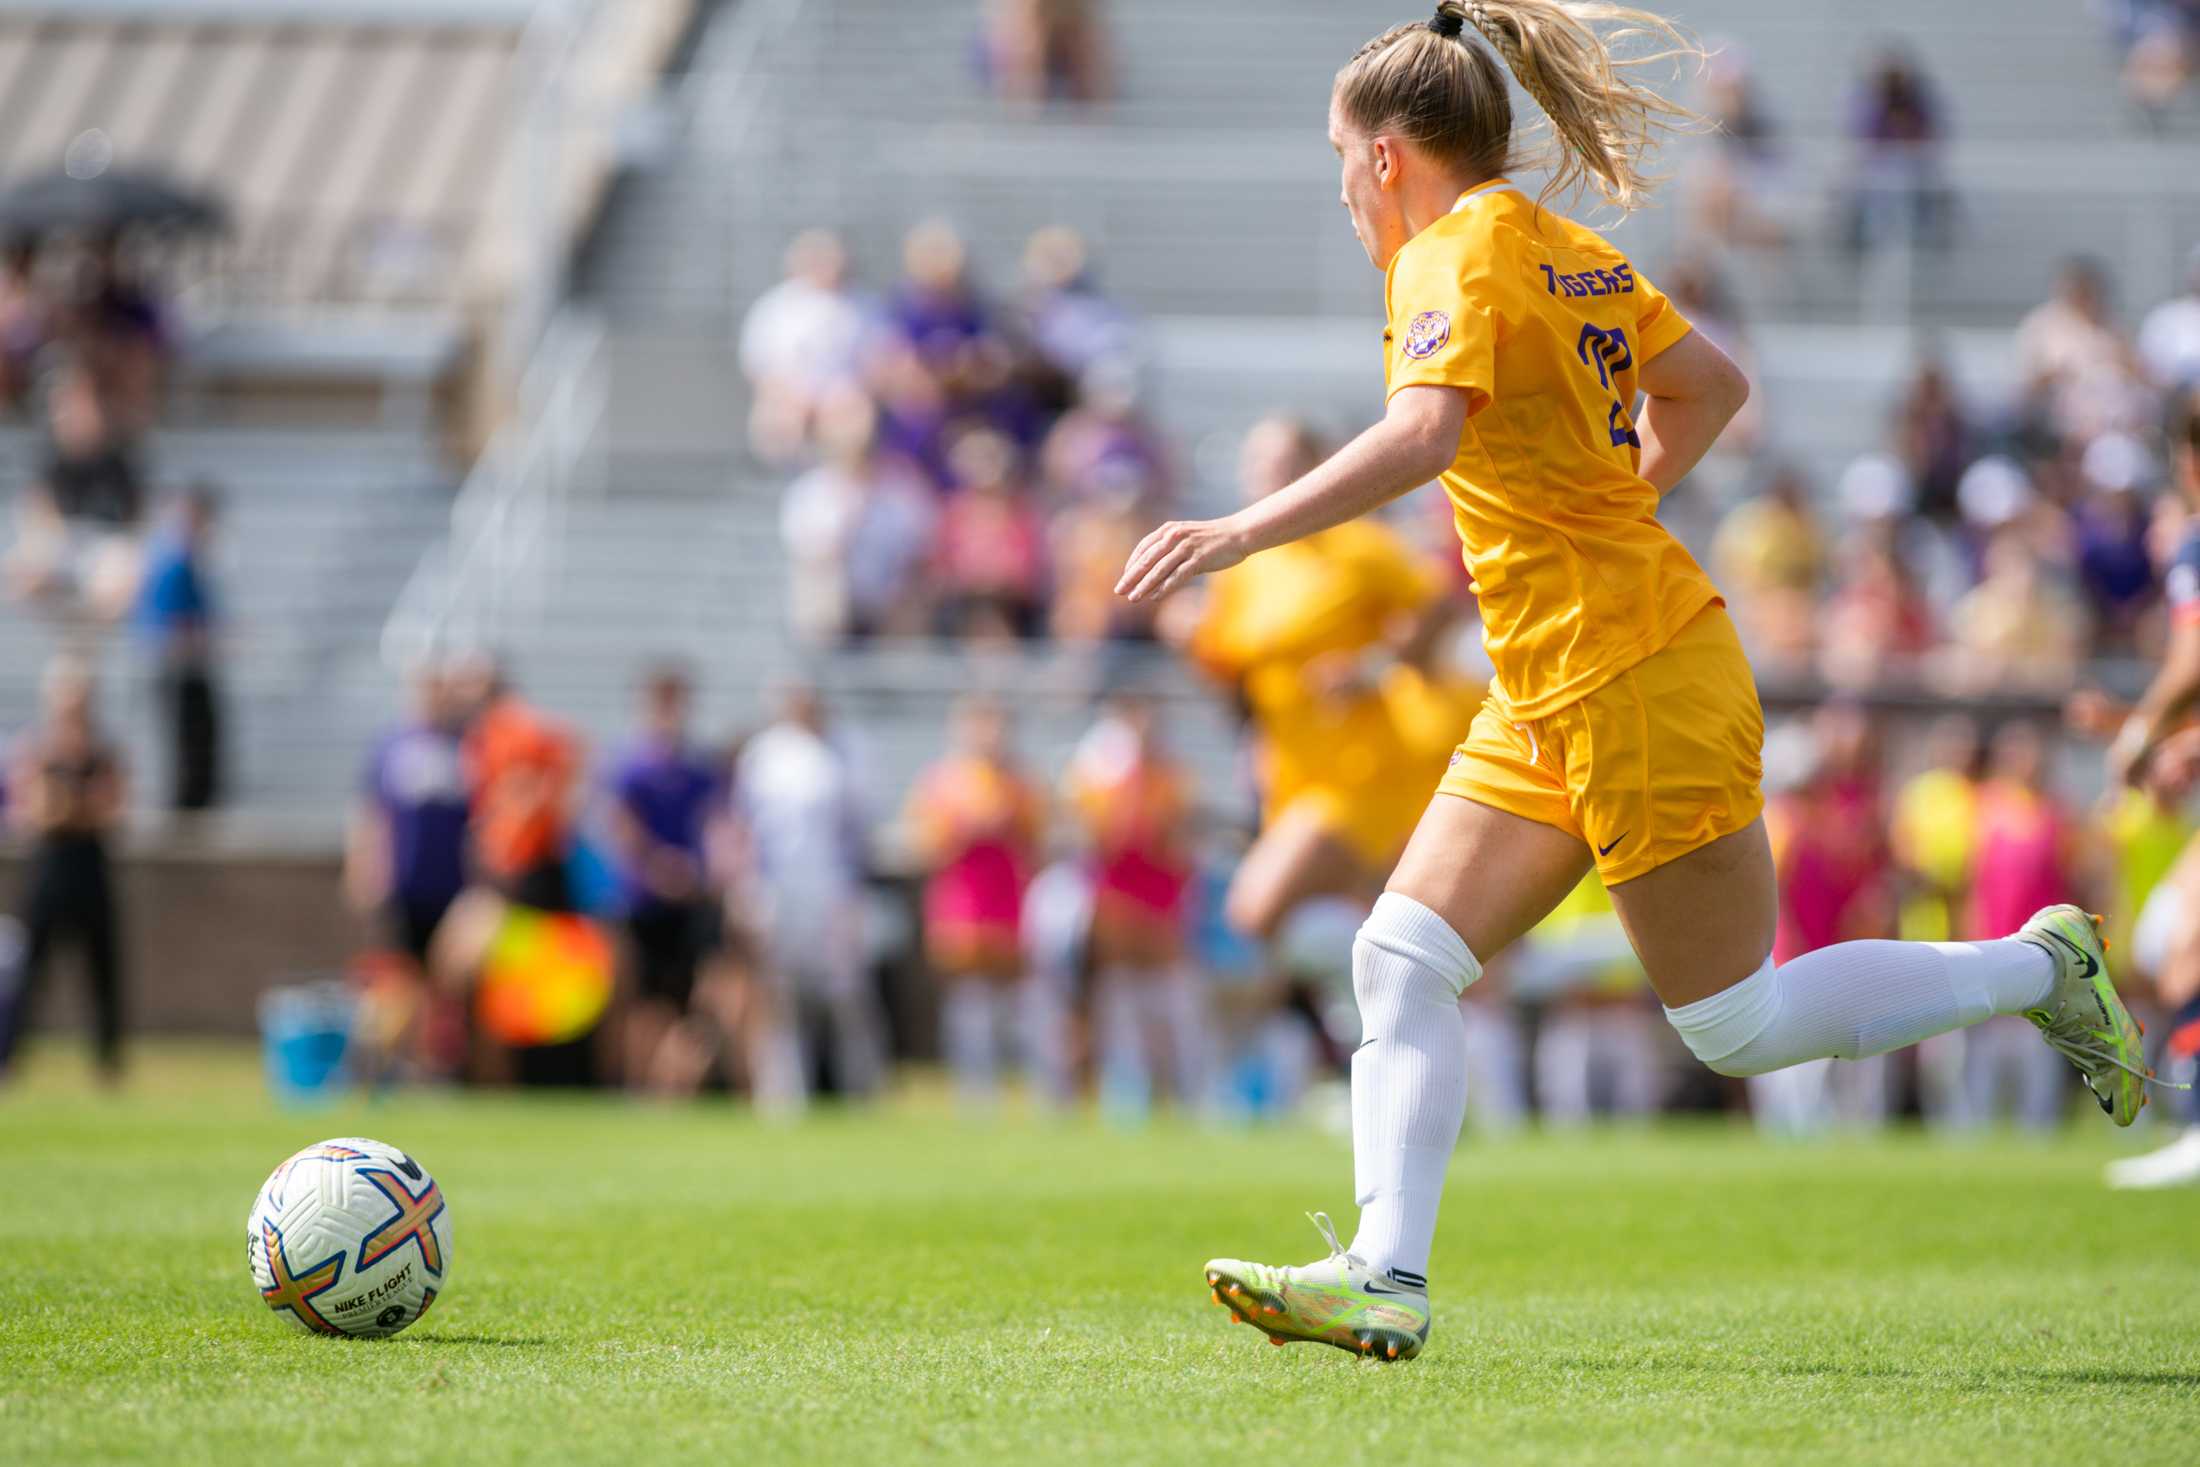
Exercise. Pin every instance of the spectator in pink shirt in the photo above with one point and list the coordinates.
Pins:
(1836, 865)
(991, 550)
(2027, 854)
(1836, 868)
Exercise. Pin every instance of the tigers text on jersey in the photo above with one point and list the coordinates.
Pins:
(1545, 325)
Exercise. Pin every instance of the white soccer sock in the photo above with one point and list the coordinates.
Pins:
(966, 1037)
(1409, 1077)
(1856, 999)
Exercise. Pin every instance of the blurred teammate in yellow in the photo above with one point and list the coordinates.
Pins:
(1557, 394)
(1333, 642)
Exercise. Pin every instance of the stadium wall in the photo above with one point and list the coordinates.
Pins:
(204, 935)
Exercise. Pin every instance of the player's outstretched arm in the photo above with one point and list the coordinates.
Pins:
(1692, 391)
(1417, 440)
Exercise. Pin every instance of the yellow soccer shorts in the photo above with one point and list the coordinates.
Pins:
(1365, 779)
(1372, 817)
(1664, 758)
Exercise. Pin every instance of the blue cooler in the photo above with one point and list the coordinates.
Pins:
(305, 1031)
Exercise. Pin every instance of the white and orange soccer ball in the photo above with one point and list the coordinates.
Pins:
(350, 1237)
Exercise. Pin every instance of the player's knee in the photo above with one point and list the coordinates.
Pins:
(1403, 951)
(1727, 1031)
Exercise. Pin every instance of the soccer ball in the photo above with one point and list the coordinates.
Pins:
(350, 1237)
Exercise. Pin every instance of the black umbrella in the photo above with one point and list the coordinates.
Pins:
(113, 199)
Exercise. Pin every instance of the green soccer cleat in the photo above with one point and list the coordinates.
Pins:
(2082, 1019)
(1339, 1301)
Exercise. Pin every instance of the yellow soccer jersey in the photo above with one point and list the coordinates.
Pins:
(1351, 760)
(1545, 325)
(1337, 591)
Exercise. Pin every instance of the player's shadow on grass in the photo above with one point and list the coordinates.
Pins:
(505, 1342)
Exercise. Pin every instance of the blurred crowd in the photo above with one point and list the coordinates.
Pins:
(1745, 185)
(971, 463)
(756, 930)
(96, 544)
(1980, 545)
(760, 923)
(978, 472)
(967, 466)
(774, 931)
(1971, 542)
(84, 345)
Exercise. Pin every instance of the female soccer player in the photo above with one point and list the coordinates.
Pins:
(1623, 730)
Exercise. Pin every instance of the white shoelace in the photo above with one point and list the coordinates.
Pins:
(2085, 1053)
(1328, 1230)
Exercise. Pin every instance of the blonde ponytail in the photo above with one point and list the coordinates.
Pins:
(1427, 81)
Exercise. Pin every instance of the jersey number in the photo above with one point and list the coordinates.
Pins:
(1608, 352)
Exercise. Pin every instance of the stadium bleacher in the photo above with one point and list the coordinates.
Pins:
(370, 159)
(861, 115)
(320, 528)
(673, 549)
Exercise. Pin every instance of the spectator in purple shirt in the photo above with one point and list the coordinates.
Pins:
(2110, 526)
(1074, 327)
(663, 791)
(938, 314)
(406, 857)
(935, 307)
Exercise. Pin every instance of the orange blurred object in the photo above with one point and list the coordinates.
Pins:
(546, 980)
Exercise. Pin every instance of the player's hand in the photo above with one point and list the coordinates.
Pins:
(1176, 552)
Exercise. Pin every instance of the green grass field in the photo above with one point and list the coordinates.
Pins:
(668, 1284)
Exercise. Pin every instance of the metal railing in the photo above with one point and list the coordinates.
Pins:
(490, 577)
(489, 580)
(543, 126)
(730, 94)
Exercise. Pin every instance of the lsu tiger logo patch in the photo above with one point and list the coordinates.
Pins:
(1426, 334)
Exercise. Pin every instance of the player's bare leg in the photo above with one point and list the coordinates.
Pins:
(1490, 875)
(1295, 859)
(1705, 922)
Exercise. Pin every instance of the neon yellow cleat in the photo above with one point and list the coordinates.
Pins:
(1339, 1301)
(2082, 1019)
